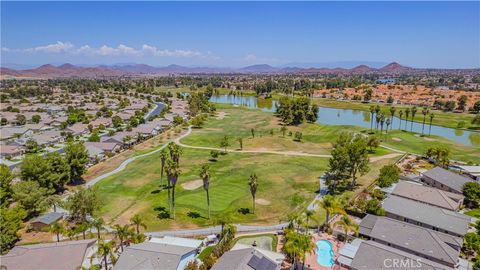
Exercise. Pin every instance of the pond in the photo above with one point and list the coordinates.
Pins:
(333, 116)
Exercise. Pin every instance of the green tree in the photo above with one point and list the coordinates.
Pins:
(373, 142)
(123, 233)
(36, 118)
(163, 159)
(476, 119)
(205, 175)
(432, 115)
(413, 111)
(407, 113)
(21, 119)
(253, 183)
(389, 174)
(439, 155)
(77, 157)
(224, 143)
(106, 250)
(94, 137)
(298, 136)
(372, 112)
(98, 224)
(116, 121)
(283, 129)
(462, 102)
(10, 223)
(214, 154)
(400, 115)
(59, 170)
(138, 222)
(31, 196)
(6, 177)
(425, 111)
(331, 205)
(240, 142)
(32, 147)
(392, 114)
(173, 172)
(348, 225)
(374, 207)
(471, 191)
(83, 203)
(53, 200)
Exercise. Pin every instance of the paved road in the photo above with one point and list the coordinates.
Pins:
(217, 229)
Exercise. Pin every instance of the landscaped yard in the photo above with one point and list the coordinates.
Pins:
(263, 241)
(474, 212)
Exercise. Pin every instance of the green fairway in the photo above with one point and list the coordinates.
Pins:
(286, 184)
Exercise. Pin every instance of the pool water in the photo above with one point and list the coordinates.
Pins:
(325, 253)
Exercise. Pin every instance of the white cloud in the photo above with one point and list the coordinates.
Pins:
(253, 58)
(250, 57)
(105, 50)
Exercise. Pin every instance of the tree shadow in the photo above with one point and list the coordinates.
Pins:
(244, 211)
(162, 212)
(156, 191)
(192, 214)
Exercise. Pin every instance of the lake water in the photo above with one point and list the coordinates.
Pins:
(333, 116)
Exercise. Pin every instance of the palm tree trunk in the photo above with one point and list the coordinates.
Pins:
(208, 203)
(430, 129)
(58, 237)
(169, 199)
(138, 231)
(83, 234)
(253, 203)
(411, 125)
(105, 259)
(399, 123)
(423, 125)
(173, 201)
(98, 233)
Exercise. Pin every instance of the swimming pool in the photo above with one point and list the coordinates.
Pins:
(325, 253)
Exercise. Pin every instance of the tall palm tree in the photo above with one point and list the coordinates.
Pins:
(82, 228)
(205, 175)
(372, 112)
(253, 183)
(308, 215)
(175, 152)
(377, 112)
(163, 159)
(172, 174)
(138, 221)
(106, 249)
(400, 114)
(348, 225)
(57, 228)
(414, 111)
(407, 113)
(331, 205)
(378, 117)
(382, 121)
(432, 115)
(392, 114)
(387, 122)
(425, 111)
(123, 233)
(98, 224)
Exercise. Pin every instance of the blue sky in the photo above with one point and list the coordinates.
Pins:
(418, 34)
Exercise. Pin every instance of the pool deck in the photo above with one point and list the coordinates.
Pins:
(311, 259)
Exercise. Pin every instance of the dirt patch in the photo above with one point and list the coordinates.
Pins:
(261, 201)
(388, 156)
(221, 115)
(396, 139)
(192, 185)
(429, 139)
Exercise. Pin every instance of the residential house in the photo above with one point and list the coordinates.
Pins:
(125, 138)
(58, 255)
(43, 222)
(445, 180)
(107, 147)
(9, 133)
(11, 151)
(429, 244)
(151, 255)
(147, 130)
(368, 255)
(429, 195)
(77, 129)
(95, 154)
(106, 122)
(471, 171)
(427, 216)
(243, 257)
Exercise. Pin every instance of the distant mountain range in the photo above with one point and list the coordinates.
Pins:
(69, 70)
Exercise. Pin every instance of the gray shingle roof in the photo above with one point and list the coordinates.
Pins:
(373, 255)
(150, 255)
(49, 218)
(437, 246)
(447, 178)
(428, 195)
(427, 214)
(244, 259)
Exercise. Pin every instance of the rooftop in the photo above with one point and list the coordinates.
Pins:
(447, 178)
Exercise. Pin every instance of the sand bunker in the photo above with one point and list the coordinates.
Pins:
(192, 185)
(221, 115)
(396, 139)
(429, 139)
(262, 201)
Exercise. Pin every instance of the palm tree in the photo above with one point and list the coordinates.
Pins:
(253, 183)
(205, 175)
(122, 232)
(82, 228)
(138, 221)
(372, 111)
(98, 225)
(172, 174)
(378, 117)
(400, 114)
(308, 216)
(57, 228)
(106, 249)
(163, 159)
(431, 119)
(382, 121)
(425, 111)
(407, 113)
(392, 114)
(414, 111)
(175, 152)
(331, 205)
(348, 225)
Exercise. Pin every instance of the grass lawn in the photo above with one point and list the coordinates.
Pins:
(445, 119)
(281, 191)
(474, 212)
(263, 241)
